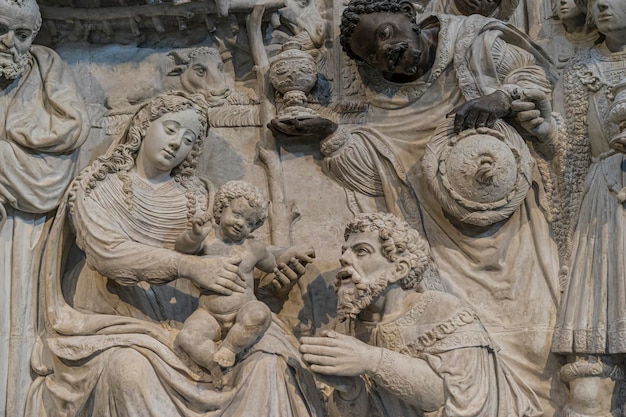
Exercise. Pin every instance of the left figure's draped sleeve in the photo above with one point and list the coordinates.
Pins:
(46, 122)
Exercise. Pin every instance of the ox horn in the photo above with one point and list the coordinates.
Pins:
(222, 49)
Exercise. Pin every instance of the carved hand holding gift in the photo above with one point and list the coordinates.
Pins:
(314, 129)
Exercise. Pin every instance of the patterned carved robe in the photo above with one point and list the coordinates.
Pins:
(448, 335)
(592, 316)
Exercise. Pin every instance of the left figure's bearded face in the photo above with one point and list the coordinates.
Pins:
(19, 24)
(13, 69)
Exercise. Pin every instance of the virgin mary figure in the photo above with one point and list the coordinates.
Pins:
(113, 306)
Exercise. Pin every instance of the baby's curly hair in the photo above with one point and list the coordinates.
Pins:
(235, 189)
(352, 13)
(399, 242)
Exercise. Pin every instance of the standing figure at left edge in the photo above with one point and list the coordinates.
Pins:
(43, 122)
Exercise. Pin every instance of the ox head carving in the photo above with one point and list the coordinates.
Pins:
(201, 71)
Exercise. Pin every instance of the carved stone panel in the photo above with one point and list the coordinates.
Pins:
(431, 221)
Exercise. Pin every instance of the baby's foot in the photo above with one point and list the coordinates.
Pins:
(224, 357)
(217, 375)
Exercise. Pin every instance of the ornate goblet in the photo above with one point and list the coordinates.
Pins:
(293, 74)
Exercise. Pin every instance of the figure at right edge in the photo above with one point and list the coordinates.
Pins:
(591, 324)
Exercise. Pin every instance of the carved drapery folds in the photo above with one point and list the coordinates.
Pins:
(501, 143)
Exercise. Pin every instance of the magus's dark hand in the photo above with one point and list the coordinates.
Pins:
(481, 112)
(315, 129)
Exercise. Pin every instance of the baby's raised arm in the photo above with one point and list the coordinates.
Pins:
(191, 240)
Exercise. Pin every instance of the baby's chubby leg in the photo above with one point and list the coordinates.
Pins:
(198, 336)
(251, 322)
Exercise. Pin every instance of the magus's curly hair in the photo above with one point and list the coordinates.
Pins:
(356, 8)
(399, 242)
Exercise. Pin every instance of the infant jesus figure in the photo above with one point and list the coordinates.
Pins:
(239, 320)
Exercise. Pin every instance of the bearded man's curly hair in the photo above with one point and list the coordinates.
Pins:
(399, 241)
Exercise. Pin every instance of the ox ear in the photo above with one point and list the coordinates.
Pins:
(178, 70)
(179, 57)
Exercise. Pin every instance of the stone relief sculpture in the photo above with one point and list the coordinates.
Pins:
(237, 320)
(43, 123)
(481, 176)
(478, 70)
(196, 71)
(444, 121)
(303, 16)
(590, 325)
(293, 74)
(415, 352)
(112, 319)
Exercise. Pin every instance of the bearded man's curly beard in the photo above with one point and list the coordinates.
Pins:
(351, 300)
(11, 71)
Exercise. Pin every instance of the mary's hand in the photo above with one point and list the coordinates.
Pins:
(217, 274)
(315, 129)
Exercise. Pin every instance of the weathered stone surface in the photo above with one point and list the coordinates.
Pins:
(499, 147)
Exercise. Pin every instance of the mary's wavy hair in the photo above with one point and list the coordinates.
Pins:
(121, 159)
